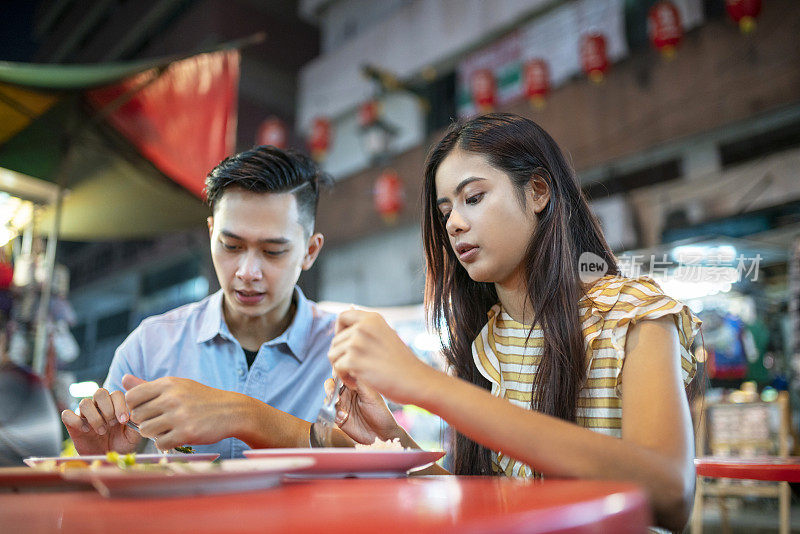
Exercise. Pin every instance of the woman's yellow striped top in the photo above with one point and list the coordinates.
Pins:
(505, 355)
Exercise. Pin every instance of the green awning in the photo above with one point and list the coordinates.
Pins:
(57, 77)
(112, 193)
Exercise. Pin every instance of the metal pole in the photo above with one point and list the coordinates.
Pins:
(40, 343)
(794, 311)
(27, 239)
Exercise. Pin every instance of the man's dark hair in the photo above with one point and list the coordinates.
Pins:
(266, 169)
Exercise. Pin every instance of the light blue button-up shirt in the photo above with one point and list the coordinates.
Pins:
(194, 342)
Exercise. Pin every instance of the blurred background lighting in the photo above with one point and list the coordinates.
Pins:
(425, 341)
(698, 254)
(83, 389)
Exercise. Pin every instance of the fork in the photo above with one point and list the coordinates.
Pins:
(134, 426)
(327, 416)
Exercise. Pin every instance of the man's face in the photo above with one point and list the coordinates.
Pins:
(259, 247)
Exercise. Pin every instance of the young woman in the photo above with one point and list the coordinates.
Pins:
(550, 375)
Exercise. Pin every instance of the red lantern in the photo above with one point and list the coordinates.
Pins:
(484, 90)
(665, 28)
(368, 113)
(536, 78)
(744, 13)
(272, 132)
(388, 195)
(593, 56)
(6, 274)
(320, 139)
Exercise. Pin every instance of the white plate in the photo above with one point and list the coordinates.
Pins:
(34, 461)
(197, 478)
(355, 462)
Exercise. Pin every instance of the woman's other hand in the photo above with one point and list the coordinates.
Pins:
(363, 415)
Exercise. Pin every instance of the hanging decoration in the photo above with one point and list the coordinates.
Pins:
(744, 13)
(490, 78)
(388, 196)
(536, 77)
(376, 134)
(320, 139)
(368, 113)
(272, 132)
(184, 120)
(484, 90)
(665, 28)
(594, 58)
(6, 273)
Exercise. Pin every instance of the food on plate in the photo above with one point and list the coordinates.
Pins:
(121, 460)
(73, 464)
(378, 444)
(53, 465)
(185, 449)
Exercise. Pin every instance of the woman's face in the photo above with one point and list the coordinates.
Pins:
(488, 227)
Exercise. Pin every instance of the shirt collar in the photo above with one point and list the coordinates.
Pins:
(213, 323)
(295, 336)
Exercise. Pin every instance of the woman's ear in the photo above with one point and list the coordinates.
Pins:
(539, 193)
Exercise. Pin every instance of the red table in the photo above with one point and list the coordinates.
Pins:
(777, 469)
(425, 504)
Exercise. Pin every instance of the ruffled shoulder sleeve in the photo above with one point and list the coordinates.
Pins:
(483, 350)
(615, 303)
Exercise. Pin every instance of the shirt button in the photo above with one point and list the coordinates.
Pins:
(241, 371)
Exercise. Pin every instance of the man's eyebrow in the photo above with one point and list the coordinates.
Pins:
(267, 240)
(464, 183)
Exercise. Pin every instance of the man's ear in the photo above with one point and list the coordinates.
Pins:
(210, 222)
(539, 193)
(312, 250)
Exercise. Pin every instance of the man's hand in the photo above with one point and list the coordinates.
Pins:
(101, 427)
(178, 411)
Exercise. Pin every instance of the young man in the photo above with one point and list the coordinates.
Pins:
(246, 365)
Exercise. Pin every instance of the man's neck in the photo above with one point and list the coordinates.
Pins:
(252, 332)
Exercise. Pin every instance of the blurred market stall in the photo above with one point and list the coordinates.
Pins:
(91, 152)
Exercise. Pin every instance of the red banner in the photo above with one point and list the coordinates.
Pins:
(185, 121)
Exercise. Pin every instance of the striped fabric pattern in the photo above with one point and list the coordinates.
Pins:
(508, 357)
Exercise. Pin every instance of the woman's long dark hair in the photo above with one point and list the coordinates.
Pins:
(566, 228)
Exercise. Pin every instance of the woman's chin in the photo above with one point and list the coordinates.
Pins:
(479, 275)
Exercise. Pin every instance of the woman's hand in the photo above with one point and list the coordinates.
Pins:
(363, 415)
(366, 350)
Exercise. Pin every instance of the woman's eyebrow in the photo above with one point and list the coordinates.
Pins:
(464, 183)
